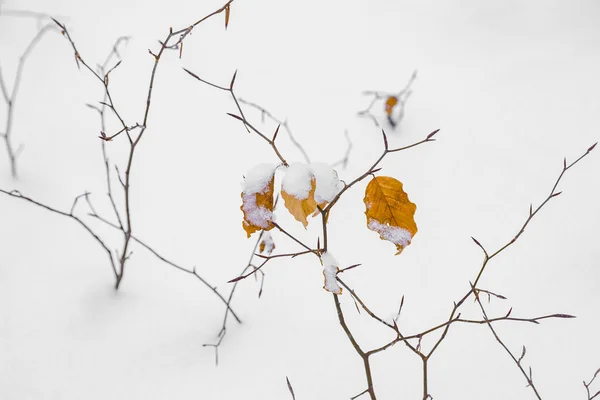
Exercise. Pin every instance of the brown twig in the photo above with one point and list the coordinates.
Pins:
(173, 40)
(488, 257)
(171, 263)
(223, 330)
(241, 117)
(373, 168)
(70, 215)
(363, 355)
(528, 377)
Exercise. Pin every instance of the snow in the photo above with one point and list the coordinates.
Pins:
(268, 243)
(258, 178)
(297, 180)
(255, 214)
(298, 177)
(328, 182)
(257, 181)
(514, 88)
(330, 270)
(394, 234)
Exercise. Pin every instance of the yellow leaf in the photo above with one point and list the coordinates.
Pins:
(258, 209)
(389, 104)
(389, 211)
(301, 208)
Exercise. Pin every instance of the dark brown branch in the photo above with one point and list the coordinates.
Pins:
(167, 43)
(357, 348)
(373, 168)
(241, 117)
(223, 330)
(69, 215)
(487, 257)
(267, 259)
(528, 377)
(171, 263)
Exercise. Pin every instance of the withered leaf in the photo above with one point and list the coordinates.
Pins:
(301, 209)
(258, 209)
(390, 103)
(389, 211)
(266, 245)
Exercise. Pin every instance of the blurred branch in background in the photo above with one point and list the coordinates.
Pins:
(394, 105)
(264, 112)
(10, 96)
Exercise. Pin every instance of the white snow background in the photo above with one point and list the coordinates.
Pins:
(514, 88)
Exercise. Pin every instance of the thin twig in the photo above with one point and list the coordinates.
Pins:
(69, 215)
(11, 98)
(173, 39)
(528, 377)
(171, 263)
(284, 123)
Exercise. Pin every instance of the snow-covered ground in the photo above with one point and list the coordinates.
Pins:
(512, 85)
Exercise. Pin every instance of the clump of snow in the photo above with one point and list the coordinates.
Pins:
(257, 181)
(330, 270)
(394, 234)
(298, 177)
(297, 180)
(328, 183)
(258, 178)
(254, 214)
(267, 244)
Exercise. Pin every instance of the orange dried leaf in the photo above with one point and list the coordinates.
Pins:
(257, 206)
(301, 208)
(389, 211)
(390, 103)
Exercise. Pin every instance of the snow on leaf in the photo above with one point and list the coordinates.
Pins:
(267, 245)
(297, 180)
(301, 208)
(328, 183)
(330, 270)
(257, 199)
(389, 211)
(390, 103)
(305, 186)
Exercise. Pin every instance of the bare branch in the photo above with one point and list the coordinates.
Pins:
(11, 98)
